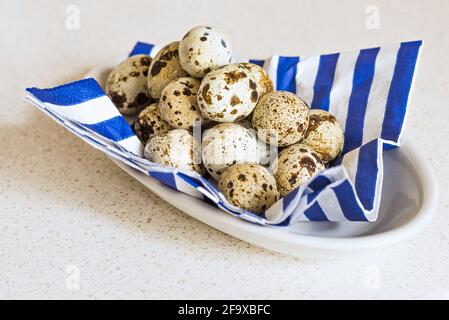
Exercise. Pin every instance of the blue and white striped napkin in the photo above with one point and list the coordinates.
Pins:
(367, 90)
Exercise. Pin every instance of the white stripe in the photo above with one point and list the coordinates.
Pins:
(275, 212)
(89, 112)
(132, 144)
(239, 60)
(342, 86)
(299, 218)
(377, 100)
(154, 51)
(305, 78)
(407, 109)
(271, 67)
(350, 162)
(208, 194)
(329, 203)
(298, 212)
(183, 186)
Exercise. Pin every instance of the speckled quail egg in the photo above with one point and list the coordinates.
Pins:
(164, 68)
(324, 135)
(263, 81)
(127, 85)
(149, 123)
(295, 165)
(266, 152)
(202, 49)
(176, 148)
(179, 104)
(228, 94)
(226, 144)
(281, 118)
(249, 186)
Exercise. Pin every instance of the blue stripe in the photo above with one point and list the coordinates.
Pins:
(366, 176)
(312, 196)
(399, 90)
(165, 177)
(142, 48)
(388, 146)
(69, 94)
(115, 129)
(289, 198)
(315, 213)
(319, 182)
(286, 74)
(285, 223)
(209, 201)
(337, 161)
(361, 86)
(323, 81)
(348, 203)
(258, 62)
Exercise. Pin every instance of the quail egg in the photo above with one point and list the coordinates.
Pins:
(176, 148)
(228, 94)
(281, 118)
(149, 123)
(179, 104)
(127, 85)
(295, 165)
(324, 135)
(202, 49)
(226, 144)
(249, 186)
(263, 81)
(164, 68)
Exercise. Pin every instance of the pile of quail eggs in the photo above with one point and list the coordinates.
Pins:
(193, 81)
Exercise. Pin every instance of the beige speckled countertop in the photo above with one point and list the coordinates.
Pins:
(67, 213)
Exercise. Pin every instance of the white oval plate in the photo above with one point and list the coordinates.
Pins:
(408, 202)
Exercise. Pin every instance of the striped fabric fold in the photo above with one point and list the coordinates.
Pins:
(85, 103)
(367, 90)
